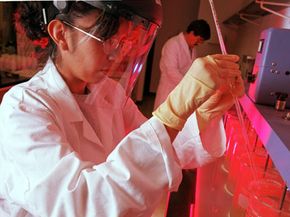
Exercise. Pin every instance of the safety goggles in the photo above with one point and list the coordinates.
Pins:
(83, 31)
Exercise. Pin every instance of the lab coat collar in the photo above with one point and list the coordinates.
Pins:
(62, 95)
(60, 92)
(184, 45)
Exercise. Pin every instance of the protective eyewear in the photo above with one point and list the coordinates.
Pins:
(83, 31)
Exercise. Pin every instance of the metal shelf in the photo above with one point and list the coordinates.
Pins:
(255, 10)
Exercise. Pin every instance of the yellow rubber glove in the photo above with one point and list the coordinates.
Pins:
(221, 101)
(204, 77)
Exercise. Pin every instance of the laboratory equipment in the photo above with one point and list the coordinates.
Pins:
(272, 68)
(265, 196)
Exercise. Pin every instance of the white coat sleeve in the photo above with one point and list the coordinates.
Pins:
(194, 149)
(43, 175)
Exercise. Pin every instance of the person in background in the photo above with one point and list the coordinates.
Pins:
(177, 55)
(73, 143)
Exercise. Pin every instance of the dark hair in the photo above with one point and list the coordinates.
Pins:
(199, 27)
(107, 23)
(30, 16)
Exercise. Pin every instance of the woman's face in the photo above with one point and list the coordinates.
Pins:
(84, 61)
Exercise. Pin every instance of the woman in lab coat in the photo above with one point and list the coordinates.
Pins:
(73, 143)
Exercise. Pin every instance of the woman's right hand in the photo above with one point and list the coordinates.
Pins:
(205, 76)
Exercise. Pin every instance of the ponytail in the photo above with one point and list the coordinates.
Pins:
(33, 17)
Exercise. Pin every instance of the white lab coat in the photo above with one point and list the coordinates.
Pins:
(176, 59)
(53, 162)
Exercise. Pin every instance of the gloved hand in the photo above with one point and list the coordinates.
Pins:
(222, 100)
(204, 77)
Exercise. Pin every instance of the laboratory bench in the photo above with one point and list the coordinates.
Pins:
(274, 132)
(221, 189)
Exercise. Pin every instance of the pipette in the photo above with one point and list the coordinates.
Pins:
(237, 105)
